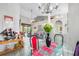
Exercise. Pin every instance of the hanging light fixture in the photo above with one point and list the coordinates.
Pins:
(47, 8)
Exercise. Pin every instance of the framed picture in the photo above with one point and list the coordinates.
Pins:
(8, 22)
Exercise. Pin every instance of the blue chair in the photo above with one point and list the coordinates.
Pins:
(58, 50)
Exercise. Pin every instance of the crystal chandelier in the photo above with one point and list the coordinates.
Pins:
(47, 8)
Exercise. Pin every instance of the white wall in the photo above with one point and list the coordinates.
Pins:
(12, 10)
(73, 25)
(25, 20)
(25, 13)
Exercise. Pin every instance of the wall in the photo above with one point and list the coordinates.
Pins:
(73, 27)
(25, 20)
(10, 10)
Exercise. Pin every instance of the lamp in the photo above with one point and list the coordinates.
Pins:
(48, 7)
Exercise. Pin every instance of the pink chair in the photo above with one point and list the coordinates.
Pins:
(35, 51)
(49, 50)
(53, 44)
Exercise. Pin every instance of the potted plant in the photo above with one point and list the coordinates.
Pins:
(47, 28)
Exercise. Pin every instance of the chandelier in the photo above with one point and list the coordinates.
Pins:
(47, 8)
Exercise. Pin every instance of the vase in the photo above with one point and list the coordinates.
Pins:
(48, 41)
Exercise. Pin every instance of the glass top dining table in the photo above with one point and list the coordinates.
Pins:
(53, 51)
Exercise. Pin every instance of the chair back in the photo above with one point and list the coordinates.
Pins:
(34, 43)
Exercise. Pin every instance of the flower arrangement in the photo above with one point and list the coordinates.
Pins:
(48, 27)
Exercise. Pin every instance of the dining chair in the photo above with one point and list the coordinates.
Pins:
(47, 49)
(34, 44)
(53, 45)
